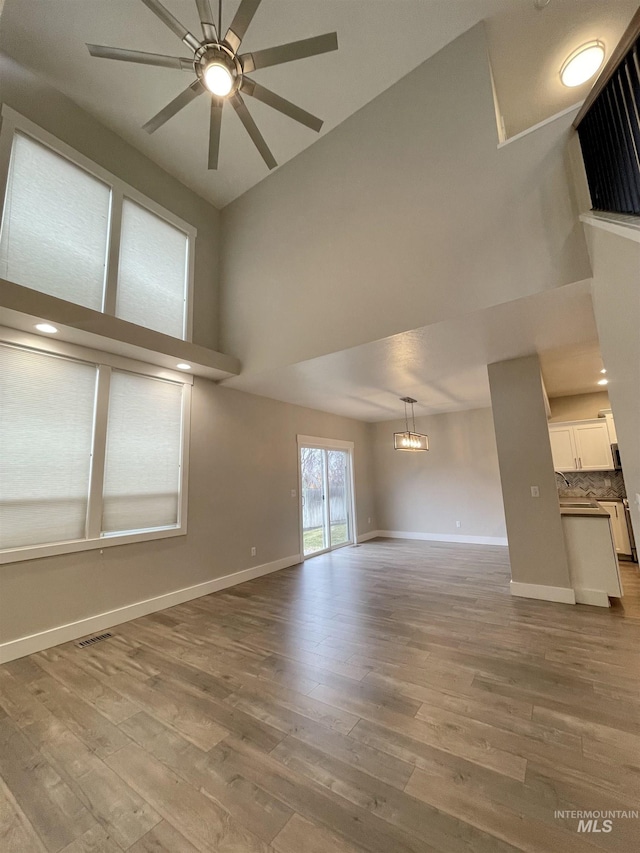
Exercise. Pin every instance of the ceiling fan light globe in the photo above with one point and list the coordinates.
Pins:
(218, 79)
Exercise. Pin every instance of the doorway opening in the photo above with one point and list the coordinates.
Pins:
(326, 494)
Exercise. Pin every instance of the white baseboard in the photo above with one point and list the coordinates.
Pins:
(597, 597)
(372, 534)
(543, 593)
(74, 630)
(444, 537)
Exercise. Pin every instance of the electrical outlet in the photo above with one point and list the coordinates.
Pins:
(254, 551)
(293, 493)
(535, 491)
(369, 521)
(607, 483)
(458, 524)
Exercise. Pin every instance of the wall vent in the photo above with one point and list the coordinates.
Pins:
(91, 640)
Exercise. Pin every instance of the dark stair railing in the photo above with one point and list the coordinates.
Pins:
(609, 129)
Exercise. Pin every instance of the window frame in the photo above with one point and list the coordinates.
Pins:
(12, 123)
(104, 362)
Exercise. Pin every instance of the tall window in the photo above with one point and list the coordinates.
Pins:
(152, 275)
(54, 226)
(46, 425)
(75, 232)
(141, 478)
(88, 453)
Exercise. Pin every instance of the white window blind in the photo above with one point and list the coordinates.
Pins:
(55, 225)
(152, 275)
(46, 424)
(142, 467)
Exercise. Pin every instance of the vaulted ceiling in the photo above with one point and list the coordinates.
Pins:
(379, 43)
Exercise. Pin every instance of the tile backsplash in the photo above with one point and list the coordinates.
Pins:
(591, 483)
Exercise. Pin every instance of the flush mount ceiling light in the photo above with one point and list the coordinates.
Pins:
(183, 366)
(604, 370)
(47, 328)
(222, 72)
(582, 64)
(410, 439)
(603, 381)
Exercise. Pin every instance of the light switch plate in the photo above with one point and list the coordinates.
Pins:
(535, 491)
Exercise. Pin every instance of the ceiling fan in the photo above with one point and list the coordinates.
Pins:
(222, 72)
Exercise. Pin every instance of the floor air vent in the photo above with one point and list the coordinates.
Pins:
(91, 640)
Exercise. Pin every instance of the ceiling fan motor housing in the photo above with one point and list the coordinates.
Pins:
(218, 54)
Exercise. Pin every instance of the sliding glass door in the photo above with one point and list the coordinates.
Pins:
(326, 498)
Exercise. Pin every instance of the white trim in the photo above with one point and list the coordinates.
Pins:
(616, 223)
(324, 443)
(36, 552)
(541, 124)
(98, 452)
(112, 266)
(561, 594)
(595, 597)
(374, 534)
(185, 443)
(443, 537)
(74, 630)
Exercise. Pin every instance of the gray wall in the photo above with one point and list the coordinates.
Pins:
(578, 407)
(243, 465)
(534, 527)
(404, 215)
(51, 110)
(616, 304)
(457, 480)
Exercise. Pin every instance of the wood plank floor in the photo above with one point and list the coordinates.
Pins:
(390, 698)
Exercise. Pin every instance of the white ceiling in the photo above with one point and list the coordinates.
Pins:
(443, 366)
(380, 42)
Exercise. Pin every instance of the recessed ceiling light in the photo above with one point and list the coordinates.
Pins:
(47, 328)
(582, 64)
(603, 381)
(604, 370)
(183, 366)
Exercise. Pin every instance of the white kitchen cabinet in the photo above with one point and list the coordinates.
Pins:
(581, 446)
(563, 448)
(618, 526)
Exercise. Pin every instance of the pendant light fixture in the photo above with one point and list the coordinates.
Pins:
(410, 439)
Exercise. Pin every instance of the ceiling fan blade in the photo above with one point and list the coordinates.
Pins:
(240, 23)
(174, 106)
(252, 129)
(206, 20)
(173, 23)
(260, 93)
(214, 131)
(288, 52)
(140, 56)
